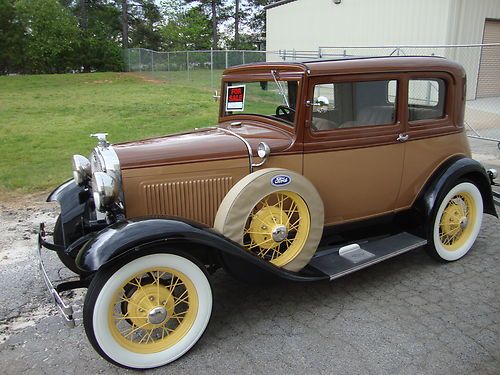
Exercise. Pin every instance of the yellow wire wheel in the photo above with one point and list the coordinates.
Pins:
(454, 228)
(277, 227)
(281, 222)
(153, 310)
(457, 222)
(147, 312)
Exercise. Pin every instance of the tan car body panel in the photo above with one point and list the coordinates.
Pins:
(359, 173)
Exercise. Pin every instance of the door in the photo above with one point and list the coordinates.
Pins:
(354, 145)
(488, 83)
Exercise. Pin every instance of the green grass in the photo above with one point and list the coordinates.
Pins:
(46, 119)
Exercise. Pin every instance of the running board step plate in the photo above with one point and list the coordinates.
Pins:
(339, 261)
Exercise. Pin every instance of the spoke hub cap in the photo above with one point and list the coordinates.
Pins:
(463, 222)
(279, 233)
(157, 315)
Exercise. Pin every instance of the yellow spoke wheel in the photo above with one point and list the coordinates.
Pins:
(147, 311)
(153, 310)
(281, 223)
(277, 227)
(456, 222)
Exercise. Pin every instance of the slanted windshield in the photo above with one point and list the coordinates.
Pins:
(272, 97)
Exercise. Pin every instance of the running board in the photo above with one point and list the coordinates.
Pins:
(339, 261)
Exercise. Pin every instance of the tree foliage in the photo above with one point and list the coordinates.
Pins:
(53, 36)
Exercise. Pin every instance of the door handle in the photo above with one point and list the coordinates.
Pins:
(402, 137)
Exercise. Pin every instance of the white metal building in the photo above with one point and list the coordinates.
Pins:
(307, 25)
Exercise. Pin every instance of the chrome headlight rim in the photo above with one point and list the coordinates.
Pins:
(82, 171)
(104, 190)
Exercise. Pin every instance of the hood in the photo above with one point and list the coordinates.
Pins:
(200, 145)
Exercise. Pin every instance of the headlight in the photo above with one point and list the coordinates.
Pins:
(105, 190)
(81, 169)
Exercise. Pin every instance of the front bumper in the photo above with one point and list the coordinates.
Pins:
(65, 309)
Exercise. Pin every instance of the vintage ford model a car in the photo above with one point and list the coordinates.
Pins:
(315, 170)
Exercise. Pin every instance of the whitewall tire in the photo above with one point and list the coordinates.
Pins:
(148, 312)
(456, 223)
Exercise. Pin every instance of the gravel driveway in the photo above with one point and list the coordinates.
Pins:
(408, 315)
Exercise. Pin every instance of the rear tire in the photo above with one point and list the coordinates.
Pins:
(456, 222)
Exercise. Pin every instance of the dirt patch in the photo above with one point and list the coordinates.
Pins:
(145, 78)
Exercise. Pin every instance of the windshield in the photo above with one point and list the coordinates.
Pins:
(273, 98)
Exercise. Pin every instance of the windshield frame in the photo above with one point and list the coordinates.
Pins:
(243, 78)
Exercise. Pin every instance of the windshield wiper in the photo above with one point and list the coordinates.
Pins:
(281, 89)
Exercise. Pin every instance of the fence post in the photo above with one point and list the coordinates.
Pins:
(284, 55)
(187, 64)
(168, 61)
(319, 52)
(140, 60)
(211, 68)
(294, 54)
(152, 61)
(128, 55)
(226, 60)
(243, 57)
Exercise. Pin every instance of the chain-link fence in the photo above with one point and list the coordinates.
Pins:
(204, 69)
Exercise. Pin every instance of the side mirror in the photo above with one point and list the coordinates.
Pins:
(216, 96)
(322, 104)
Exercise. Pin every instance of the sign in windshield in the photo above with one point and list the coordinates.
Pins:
(235, 98)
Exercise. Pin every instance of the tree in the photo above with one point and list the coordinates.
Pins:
(12, 38)
(51, 36)
(218, 12)
(186, 29)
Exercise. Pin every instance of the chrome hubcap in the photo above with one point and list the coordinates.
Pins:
(279, 233)
(157, 315)
(463, 222)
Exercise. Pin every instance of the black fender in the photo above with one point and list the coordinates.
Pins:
(452, 170)
(71, 198)
(137, 235)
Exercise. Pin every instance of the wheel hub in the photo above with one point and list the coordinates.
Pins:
(267, 227)
(279, 233)
(157, 315)
(463, 222)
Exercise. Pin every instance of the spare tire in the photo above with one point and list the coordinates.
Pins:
(277, 214)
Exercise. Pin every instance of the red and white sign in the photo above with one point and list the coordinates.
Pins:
(235, 98)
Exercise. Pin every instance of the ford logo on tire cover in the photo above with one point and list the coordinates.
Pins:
(281, 180)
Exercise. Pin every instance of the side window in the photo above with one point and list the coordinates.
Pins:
(426, 99)
(352, 104)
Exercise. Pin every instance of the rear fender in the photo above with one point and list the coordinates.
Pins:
(137, 236)
(446, 176)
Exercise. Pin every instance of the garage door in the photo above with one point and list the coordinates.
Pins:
(489, 69)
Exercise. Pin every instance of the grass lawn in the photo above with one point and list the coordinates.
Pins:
(45, 119)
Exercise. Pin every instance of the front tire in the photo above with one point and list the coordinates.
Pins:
(456, 223)
(149, 311)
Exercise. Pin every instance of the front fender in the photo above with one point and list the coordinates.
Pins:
(449, 173)
(135, 235)
(69, 195)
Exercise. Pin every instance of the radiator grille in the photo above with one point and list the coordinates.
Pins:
(197, 200)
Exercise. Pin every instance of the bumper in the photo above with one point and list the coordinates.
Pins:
(66, 310)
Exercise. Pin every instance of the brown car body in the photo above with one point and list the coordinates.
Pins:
(370, 173)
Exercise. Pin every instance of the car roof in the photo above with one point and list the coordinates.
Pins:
(358, 64)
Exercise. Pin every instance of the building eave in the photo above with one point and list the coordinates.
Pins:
(278, 3)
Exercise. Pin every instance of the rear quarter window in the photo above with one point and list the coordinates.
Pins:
(426, 99)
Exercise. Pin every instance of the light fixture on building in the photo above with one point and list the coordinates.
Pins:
(337, 1)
